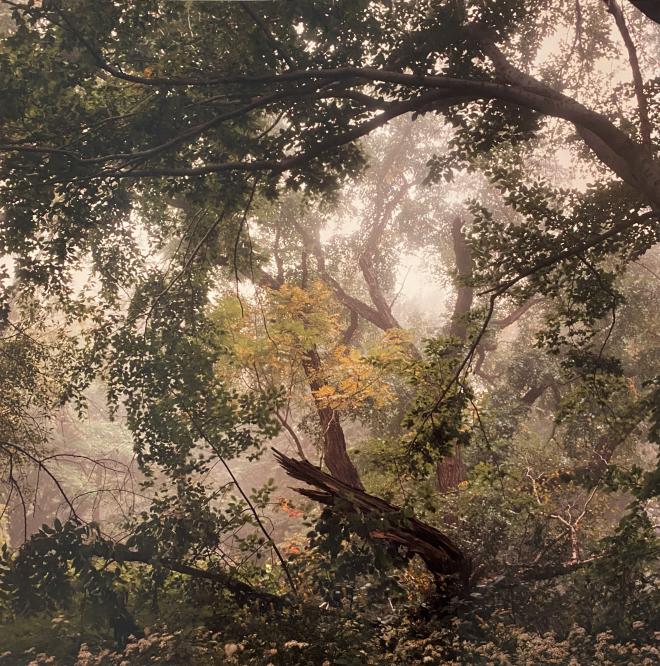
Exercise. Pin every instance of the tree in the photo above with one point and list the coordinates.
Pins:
(145, 178)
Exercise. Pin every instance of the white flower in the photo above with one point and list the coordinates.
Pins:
(230, 650)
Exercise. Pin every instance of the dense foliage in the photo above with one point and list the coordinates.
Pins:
(410, 245)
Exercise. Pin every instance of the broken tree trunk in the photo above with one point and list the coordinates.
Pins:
(449, 566)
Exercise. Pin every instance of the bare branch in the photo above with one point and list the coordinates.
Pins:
(642, 102)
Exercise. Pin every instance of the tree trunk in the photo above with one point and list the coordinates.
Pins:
(334, 443)
(464, 293)
(447, 563)
(450, 471)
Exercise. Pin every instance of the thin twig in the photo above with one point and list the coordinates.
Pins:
(246, 498)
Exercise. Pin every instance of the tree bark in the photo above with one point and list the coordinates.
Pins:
(464, 292)
(450, 567)
(450, 471)
(335, 452)
(649, 7)
(642, 103)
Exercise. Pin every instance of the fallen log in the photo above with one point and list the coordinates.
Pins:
(450, 568)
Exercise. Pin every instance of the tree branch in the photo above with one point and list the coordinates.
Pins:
(642, 103)
(513, 317)
(649, 7)
(440, 554)
(242, 590)
(275, 44)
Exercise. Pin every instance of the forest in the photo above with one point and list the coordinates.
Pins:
(329, 332)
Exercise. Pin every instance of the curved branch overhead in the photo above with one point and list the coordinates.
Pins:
(409, 93)
(319, 225)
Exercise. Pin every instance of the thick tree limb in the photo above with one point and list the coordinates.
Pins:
(534, 393)
(440, 92)
(624, 154)
(351, 329)
(353, 304)
(386, 319)
(442, 557)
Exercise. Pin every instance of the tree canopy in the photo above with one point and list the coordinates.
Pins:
(409, 245)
